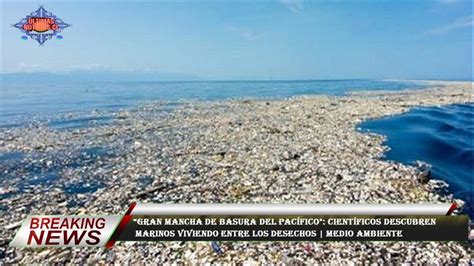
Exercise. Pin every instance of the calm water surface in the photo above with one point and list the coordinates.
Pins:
(22, 102)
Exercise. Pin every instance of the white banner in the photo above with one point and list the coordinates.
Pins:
(293, 209)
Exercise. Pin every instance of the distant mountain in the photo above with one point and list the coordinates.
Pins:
(104, 76)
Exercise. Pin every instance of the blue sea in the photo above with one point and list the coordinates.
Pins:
(440, 136)
(34, 101)
(443, 137)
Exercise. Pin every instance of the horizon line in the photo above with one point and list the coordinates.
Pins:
(200, 79)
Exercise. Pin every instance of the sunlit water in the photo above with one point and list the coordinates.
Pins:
(26, 101)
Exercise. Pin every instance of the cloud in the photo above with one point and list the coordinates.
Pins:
(462, 22)
(246, 33)
(293, 5)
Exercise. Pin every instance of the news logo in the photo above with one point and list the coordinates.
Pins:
(41, 25)
(65, 231)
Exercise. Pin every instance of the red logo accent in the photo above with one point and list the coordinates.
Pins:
(40, 24)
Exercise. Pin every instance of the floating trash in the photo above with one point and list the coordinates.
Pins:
(292, 151)
(308, 247)
(215, 246)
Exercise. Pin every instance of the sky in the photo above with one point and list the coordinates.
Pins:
(224, 40)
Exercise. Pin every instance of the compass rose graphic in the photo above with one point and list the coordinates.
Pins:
(41, 25)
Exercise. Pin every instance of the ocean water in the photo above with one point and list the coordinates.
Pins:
(22, 102)
(440, 136)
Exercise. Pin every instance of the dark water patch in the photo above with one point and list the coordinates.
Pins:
(86, 156)
(145, 181)
(44, 170)
(22, 180)
(9, 157)
(7, 194)
(94, 152)
(440, 136)
(12, 124)
(43, 177)
(82, 122)
(82, 187)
